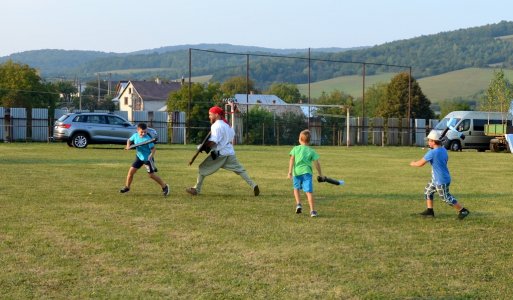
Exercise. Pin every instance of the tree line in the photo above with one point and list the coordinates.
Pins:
(401, 97)
(430, 55)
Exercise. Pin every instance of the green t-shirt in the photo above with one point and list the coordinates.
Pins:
(303, 157)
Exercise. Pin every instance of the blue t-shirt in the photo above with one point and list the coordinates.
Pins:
(143, 151)
(438, 159)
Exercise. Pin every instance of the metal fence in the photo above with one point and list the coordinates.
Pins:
(20, 124)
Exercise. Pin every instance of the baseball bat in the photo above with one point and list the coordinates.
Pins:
(330, 180)
(142, 143)
(200, 148)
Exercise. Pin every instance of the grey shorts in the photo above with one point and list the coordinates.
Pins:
(443, 191)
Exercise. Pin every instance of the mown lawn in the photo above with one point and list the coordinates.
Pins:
(66, 231)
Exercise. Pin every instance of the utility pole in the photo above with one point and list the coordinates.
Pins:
(79, 95)
(98, 87)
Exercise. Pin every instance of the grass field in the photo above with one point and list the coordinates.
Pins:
(66, 232)
(461, 83)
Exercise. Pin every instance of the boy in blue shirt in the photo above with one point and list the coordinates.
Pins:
(144, 156)
(300, 170)
(440, 179)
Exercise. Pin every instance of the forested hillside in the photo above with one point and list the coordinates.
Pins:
(430, 55)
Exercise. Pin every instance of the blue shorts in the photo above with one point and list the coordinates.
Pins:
(150, 164)
(303, 182)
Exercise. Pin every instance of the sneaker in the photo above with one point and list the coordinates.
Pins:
(165, 190)
(313, 214)
(428, 213)
(256, 190)
(463, 213)
(191, 191)
(299, 209)
(124, 190)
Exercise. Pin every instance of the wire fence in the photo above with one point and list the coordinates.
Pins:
(36, 125)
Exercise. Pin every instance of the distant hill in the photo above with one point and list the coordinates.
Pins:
(465, 84)
(240, 49)
(448, 64)
(57, 63)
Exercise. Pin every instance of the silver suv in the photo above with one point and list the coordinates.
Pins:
(82, 129)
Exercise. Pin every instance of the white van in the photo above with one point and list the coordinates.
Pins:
(471, 124)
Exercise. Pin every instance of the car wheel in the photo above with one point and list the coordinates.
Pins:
(69, 142)
(79, 140)
(455, 146)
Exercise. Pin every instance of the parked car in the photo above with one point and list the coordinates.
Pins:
(81, 129)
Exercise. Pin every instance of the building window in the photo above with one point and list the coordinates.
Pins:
(126, 100)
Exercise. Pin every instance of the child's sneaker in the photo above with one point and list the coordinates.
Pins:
(313, 214)
(124, 190)
(165, 190)
(192, 191)
(299, 209)
(463, 213)
(428, 213)
(256, 191)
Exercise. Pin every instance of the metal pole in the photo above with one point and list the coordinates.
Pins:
(188, 122)
(98, 87)
(409, 108)
(363, 92)
(348, 140)
(247, 97)
(80, 95)
(309, 79)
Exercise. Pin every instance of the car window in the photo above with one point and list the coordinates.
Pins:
(96, 119)
(80, 118)
(115, 120)
(63, 117)
(464, 125)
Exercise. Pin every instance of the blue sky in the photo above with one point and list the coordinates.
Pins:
(131, 25)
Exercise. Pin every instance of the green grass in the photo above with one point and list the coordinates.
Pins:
(461, 83)
(66, 232)
(351, 85)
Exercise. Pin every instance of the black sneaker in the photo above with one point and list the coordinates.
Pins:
(428, 213)
(256, 190)
(463, 213)
(165, 190)
(299, 209)
(124, 190)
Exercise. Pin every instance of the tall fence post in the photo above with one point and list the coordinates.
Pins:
(2, 124)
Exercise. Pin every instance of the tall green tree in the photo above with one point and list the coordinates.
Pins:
(397, 100)
(447, 106)
(287, 92)
(499, 93)
(67, 89)
(202, 98)
(374, 95)
(237, 85)
(21, 86)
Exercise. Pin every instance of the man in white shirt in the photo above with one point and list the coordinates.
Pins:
(222, 153)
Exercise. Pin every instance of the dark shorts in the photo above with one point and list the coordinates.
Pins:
(149, 164)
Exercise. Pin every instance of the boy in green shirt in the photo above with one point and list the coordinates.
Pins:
(300, 170)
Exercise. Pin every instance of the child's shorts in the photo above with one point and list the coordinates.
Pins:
(149, 164)
(303, 182)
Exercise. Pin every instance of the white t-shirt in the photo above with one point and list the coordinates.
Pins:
(222, 134)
